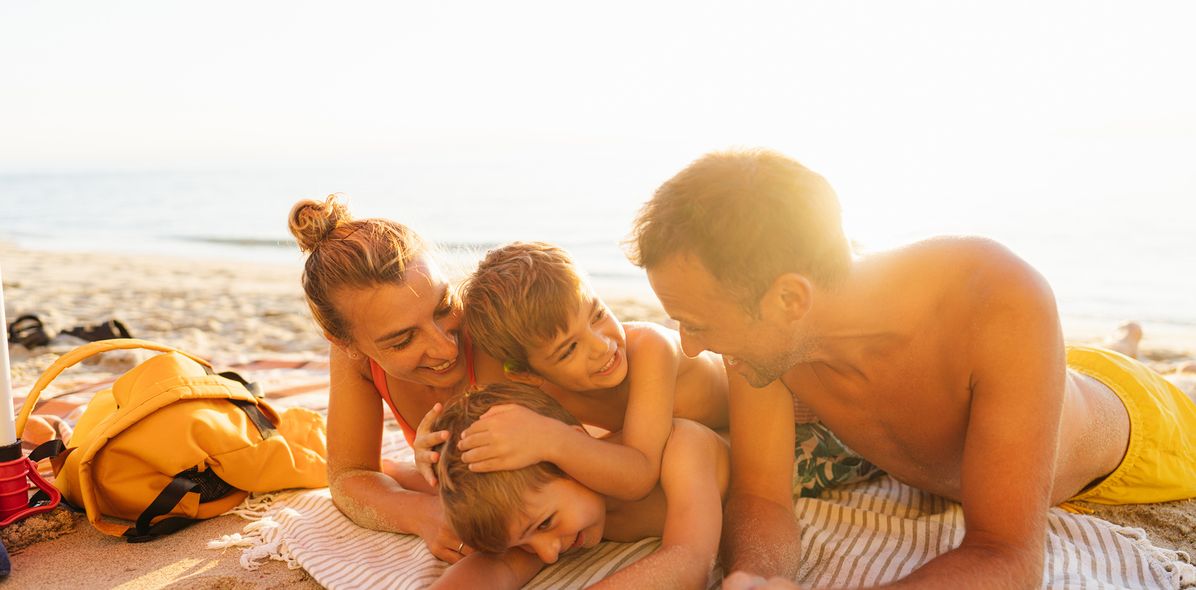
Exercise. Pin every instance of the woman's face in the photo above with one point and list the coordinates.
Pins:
(410, 329)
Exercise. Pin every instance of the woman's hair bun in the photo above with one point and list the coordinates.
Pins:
(311, 222)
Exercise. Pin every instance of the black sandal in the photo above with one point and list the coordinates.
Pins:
(104, 331)
(28, 331)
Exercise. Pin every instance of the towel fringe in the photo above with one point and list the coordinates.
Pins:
(261, 538)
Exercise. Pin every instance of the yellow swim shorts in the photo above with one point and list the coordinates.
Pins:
(1160, 463)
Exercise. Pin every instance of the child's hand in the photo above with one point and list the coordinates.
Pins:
(426, 441)
(506, 437)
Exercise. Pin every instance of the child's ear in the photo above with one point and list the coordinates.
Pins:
(524, 377)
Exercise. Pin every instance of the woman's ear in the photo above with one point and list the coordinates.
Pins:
(347, 349)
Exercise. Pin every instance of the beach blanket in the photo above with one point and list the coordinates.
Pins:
(868, 533)
(863, 534)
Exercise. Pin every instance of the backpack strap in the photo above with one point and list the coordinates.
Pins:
(78, 355)
(167, 499)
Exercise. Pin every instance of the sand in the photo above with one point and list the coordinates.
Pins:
(231, 312)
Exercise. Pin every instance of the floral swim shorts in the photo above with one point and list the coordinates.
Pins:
(822, 461)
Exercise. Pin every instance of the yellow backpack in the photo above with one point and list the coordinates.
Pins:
(172, 442)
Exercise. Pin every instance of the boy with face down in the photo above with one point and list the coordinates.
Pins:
(941, 362)
(522, 519)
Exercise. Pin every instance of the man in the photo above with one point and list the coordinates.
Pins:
(941, 362)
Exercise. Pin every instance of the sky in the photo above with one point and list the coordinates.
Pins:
(958, 104)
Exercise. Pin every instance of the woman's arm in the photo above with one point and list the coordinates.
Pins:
(693, 475)
(359, 487)
(511, 570)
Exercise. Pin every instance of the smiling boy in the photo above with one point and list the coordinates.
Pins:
(522, 519)
(529, 306)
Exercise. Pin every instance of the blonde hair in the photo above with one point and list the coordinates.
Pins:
(748, 216)
(480, 507)
(521, 295)
(346, 252)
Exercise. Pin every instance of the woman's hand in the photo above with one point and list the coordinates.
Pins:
(442, 542)
(507, 437)
(746, 581)
(425, 443)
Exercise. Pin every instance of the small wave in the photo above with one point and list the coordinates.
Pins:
(241, 241)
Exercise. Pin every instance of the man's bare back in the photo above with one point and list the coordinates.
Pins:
(896, 380)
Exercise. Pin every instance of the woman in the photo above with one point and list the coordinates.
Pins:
(392, 320)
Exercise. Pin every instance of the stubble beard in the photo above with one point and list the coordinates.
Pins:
(795, 352)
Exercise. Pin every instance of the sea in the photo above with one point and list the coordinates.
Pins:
(1112, 250)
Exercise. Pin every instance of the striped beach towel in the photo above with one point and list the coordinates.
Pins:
(863, 534)
(879, 531)
(858, 535)
(306, 530)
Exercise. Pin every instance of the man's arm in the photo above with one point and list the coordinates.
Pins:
(1017, 384)
(359, 488)
(689, 477)
(760, 531)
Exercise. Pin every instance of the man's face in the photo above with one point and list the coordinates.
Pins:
(760, 348)
(561, 517)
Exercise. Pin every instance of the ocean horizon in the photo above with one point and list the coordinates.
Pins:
(1107, 262)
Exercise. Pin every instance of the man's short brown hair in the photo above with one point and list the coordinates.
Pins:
(521, 295)
(481, 506)
(748, 216)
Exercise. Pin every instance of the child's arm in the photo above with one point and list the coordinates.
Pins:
(693, 517)
(510, 570)
(426, 442)
(510, 437)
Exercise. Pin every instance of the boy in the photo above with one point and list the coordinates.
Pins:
(545, 513)
(528, 306)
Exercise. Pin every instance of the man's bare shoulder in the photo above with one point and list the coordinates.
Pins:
(980, 267)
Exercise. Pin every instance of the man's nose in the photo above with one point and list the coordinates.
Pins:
(691, 345)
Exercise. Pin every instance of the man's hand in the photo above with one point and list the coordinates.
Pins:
(746, 581)
(426, 441)
(506, 437)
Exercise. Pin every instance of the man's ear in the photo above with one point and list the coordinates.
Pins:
(790, 295)
(524, 377)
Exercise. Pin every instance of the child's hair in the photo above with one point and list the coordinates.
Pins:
(748, 216)
(521, 295)
(481, 506)
(347, 252)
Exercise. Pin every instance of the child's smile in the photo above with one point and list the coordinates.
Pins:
(590, 354)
